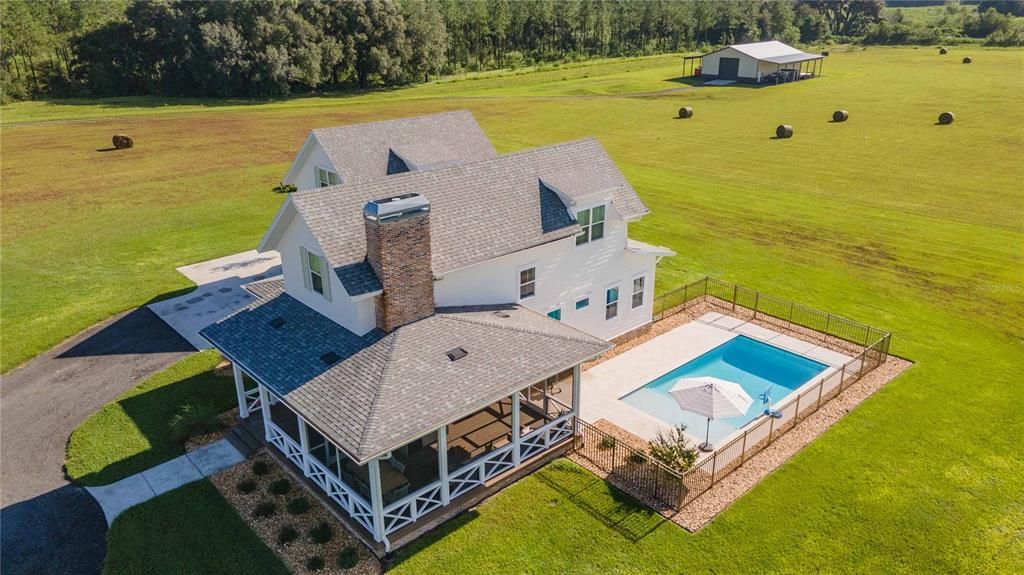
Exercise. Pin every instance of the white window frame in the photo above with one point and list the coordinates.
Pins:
(320, 182)
(586, 233)
(558, 308)
(633, 293)
(607, 304)
(307, 272)
(520, 283)
(576, 303)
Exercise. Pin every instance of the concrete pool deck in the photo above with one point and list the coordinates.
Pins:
(605, 383)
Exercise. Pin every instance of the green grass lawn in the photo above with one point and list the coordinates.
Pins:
(190, 530)
(887, 218)
(131, 433)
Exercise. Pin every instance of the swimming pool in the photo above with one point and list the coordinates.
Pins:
(756, 366)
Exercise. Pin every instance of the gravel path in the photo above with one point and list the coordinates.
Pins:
(49, 524)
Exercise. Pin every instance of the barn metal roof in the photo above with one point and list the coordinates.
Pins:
(772, 51)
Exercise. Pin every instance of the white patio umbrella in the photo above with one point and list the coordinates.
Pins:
(712, 398)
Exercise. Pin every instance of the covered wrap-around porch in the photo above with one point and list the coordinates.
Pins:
(399, 487)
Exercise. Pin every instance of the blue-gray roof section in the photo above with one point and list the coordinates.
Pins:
(386, 390)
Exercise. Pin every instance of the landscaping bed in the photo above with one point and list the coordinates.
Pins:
(291, 522)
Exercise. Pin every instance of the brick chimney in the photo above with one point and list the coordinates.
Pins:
(398, 250)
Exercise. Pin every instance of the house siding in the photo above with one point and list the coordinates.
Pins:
(356, 316)
(565, 273)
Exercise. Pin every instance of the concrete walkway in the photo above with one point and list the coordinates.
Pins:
(121, 495)
(218, 294)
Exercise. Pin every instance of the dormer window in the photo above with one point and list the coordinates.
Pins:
(591, 221)
(326, 178)
(313, 273)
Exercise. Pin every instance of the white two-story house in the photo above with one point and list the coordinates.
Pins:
(437, 300)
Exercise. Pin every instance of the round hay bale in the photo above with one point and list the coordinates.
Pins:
(942, 51)
(824, 53)
(685, 112)
(946, 118)
(122, 141)
(968, 60)
(784, 131)
(840, 116)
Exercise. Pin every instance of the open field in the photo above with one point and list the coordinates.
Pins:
(886, 218)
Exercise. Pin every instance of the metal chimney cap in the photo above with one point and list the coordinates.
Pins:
(396, 207)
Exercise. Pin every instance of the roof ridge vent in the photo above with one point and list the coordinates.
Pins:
(456, 354)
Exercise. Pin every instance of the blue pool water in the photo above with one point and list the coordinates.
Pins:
(754, 365)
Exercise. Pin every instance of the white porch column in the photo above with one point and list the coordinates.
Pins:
(516, 427)
(243, 407)
(442, 463)
(376, 500)
(576, 389)
(304, 444)
(265, 409)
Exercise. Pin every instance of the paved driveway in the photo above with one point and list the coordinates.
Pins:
(48, 524)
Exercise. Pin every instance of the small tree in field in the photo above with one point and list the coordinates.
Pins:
(673, 449)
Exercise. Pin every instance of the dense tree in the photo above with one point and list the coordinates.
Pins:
(848, 17)
(278, 47)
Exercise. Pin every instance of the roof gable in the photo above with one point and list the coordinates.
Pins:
(479, 211)
(362, 152)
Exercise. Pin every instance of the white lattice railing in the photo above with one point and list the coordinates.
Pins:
(346, 497)
(252, 400)
(412, 507)
(286, 445)
(542, 439)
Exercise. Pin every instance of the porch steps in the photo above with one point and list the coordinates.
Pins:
(245, 438)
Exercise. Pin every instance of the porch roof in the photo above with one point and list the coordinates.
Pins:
(384, 390)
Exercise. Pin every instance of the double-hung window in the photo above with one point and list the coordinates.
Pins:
(611, 303)
(527, 283)
(326, 178)
(314, 269)
(591, 221)
(638, 292)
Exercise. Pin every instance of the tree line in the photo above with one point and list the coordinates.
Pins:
(62, 48)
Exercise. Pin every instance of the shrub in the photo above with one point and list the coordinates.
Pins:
(636, 458)
(284, 188)
(348, 558)
(322, 533)
(287, 534)
(674, 449)
(260, 467)
(280, 487)
(298, 506)
(193, 419)
(607, 442)
(315, 563)
(246, 486)
(265, 509)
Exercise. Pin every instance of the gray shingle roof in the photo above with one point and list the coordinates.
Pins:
(479, 211)
(360, 151)
(388, 389)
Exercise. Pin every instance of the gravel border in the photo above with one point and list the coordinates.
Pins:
(293, 554)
